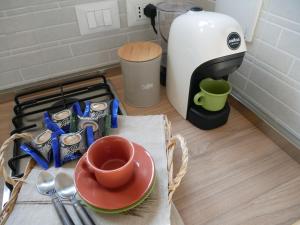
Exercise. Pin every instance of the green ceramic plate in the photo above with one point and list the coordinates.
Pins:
(117, 211)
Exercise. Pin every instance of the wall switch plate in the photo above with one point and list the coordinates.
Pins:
(135, 11)
(98, 16)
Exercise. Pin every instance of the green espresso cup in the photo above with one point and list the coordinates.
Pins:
(213, 94)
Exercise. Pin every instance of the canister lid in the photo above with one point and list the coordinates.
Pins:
(139, 51)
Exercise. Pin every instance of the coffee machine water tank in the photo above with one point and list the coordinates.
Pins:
(196, 38)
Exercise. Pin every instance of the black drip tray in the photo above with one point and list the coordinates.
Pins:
(207, 120)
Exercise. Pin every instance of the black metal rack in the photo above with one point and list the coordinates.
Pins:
(61, 99)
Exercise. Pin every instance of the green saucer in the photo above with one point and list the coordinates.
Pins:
(117, 211)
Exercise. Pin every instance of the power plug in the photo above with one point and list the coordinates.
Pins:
(151, 12)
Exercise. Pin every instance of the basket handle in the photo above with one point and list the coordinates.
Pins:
(4, 148)
(17, 183)
(174, 182)
(9, 206)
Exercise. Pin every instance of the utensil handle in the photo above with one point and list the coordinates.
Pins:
(84, 216)
(62, 212)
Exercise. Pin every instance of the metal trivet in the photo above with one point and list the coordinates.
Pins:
(30, 106)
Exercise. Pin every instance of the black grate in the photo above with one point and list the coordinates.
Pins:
(33, 104)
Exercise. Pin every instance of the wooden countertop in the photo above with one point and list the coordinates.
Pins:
(236, 175)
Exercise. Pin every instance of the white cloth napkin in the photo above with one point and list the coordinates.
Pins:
(148, 131)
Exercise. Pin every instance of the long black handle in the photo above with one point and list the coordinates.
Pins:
(84, 216)
(62, 212)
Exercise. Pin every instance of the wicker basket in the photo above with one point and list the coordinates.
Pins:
(174, 181)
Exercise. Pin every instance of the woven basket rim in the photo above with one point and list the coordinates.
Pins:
(171, 142)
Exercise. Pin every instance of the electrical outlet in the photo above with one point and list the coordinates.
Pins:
(140, 11)
(135, 11)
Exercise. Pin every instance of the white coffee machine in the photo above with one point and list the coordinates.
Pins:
(201, 44)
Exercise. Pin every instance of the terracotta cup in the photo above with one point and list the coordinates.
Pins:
(110, 159)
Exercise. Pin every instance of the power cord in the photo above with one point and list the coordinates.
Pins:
(151, 12)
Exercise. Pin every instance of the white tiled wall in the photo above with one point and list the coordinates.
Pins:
(270, 75)
(40, 39)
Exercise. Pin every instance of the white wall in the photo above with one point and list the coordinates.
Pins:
(40, 39)
(269, 77)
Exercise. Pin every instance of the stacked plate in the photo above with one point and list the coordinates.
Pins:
(121, 199)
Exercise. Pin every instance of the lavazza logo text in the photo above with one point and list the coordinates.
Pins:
(233, 41)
